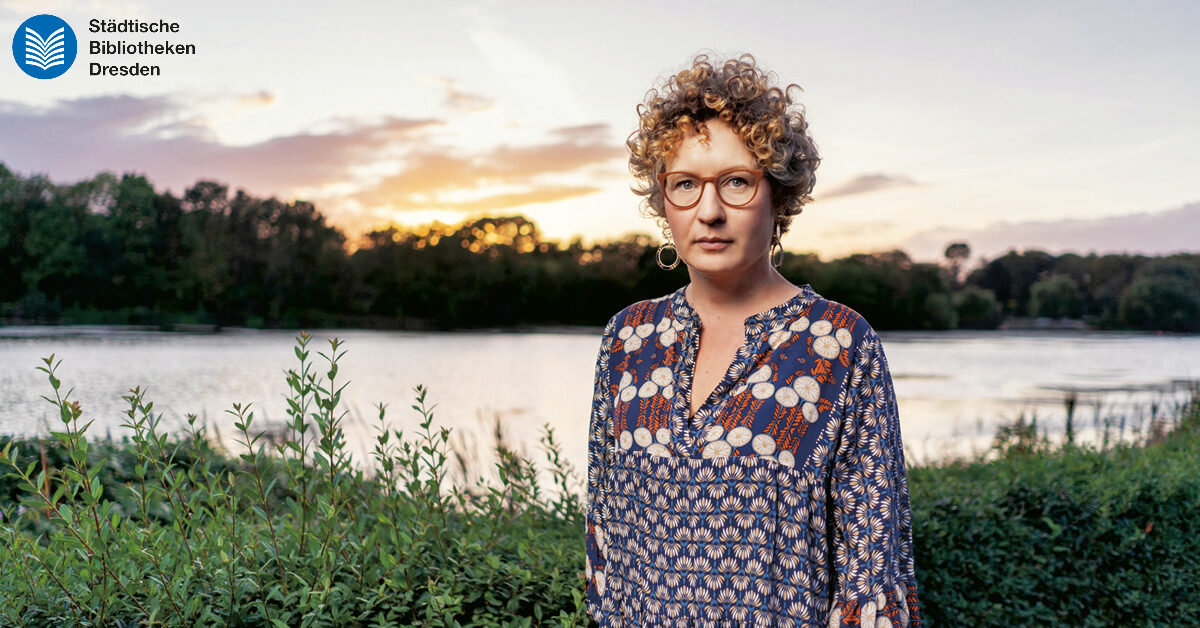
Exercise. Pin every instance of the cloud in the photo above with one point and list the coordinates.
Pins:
(563, 156)
(459, 99)
(856, 228)
(160, 137)
(583, 133)
(261, 98)
(173, 144)
(429, 177)
(1148, 233)
(534, 194)
(868, 183)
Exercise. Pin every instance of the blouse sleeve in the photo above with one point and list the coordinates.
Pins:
(599, 437)
(876, 581)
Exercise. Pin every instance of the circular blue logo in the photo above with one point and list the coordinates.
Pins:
(44, 46)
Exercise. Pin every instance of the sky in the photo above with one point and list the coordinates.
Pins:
(1066, 126)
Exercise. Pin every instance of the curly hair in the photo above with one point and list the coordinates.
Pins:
(743, 95)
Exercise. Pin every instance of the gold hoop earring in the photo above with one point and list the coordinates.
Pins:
(658, 256)
(668, 243)
(777, 245)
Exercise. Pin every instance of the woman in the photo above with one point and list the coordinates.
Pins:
(745, 464)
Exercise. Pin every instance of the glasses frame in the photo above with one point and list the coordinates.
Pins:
(662, 185)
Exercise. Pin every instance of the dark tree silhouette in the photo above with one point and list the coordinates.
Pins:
(956, 255)
(114, 250)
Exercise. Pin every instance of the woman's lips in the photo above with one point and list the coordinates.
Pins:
(712, 245)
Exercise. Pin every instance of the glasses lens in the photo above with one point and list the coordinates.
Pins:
(682, 188)
(737, 187)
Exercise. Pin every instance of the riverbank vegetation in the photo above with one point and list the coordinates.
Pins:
(176, 530)
(1036, 532)
(160, 529)
(115, 251)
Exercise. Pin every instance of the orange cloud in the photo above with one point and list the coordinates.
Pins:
(431, 173)
(260, 98)
(539, 194)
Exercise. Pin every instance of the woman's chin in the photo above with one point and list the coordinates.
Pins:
(714, 266)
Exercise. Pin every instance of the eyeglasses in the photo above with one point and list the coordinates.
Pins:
(736, 187)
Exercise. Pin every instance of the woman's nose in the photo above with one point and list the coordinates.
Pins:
(710, 209)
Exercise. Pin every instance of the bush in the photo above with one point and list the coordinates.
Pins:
(1056, 296)
(977, 308)
(1165, 295)
(165, 530)
(1068, 536)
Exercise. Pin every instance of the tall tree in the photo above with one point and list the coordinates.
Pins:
(956, 254)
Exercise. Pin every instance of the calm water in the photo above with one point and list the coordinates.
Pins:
(953, 387)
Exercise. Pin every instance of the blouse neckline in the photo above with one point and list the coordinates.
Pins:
(683, 309)
(686, 428)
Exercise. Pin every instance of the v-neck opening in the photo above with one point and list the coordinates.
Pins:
(689, 425)
(767, 314)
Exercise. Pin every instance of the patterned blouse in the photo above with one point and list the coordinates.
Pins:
(782, 502)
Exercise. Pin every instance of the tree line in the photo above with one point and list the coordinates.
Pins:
(109, 250)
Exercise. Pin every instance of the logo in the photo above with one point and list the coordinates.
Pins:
(44, 46)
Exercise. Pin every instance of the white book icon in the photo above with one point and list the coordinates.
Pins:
(45, 53)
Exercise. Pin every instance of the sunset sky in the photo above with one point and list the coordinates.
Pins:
(1063, 126)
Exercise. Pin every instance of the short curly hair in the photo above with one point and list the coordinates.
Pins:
(743, 95)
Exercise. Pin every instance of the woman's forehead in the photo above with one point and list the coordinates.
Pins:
(720, 150)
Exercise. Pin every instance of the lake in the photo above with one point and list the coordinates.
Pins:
(953, 388)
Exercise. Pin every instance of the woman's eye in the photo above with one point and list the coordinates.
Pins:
(686, 184)
(736, 182)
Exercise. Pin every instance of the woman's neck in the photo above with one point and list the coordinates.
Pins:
(738, 296)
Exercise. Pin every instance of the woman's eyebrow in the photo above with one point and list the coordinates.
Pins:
(722, 170)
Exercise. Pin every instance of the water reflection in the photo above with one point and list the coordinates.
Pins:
(954, 388)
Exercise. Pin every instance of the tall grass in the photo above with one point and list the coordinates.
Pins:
(169, 530)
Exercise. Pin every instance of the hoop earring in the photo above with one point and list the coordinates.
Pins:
(777, 245)
(658, 256)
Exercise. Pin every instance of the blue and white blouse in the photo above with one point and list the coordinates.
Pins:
(783, 502)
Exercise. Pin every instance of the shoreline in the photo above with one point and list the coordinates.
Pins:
(35, 330)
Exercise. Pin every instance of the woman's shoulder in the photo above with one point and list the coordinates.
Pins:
(640, 314)
(838, 317)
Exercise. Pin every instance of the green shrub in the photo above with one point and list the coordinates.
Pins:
(1056, 296)
(167, 530)
(1062, 536)
(976, 308)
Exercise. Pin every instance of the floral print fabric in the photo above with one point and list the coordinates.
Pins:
(782, 502)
